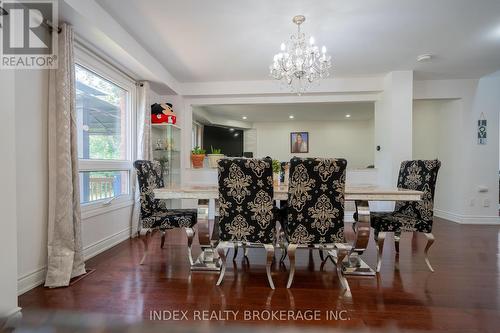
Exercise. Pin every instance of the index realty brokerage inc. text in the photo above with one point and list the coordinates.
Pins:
(248, 315)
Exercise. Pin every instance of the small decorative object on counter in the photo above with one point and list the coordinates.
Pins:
(214, 157)
(163, 113)
(158, 145)
(276, 172)
(197, 157)
(164, 166)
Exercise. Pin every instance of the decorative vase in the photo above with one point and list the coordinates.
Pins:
(197, 160)
(213, 160)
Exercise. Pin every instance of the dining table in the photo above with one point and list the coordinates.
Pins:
(208, 234)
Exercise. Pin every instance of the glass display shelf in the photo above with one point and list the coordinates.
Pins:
(166, 139)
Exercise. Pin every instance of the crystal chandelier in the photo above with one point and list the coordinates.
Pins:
(300, 63)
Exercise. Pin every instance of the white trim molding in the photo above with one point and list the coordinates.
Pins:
(106, 243)
(467, 219)
(31, 280)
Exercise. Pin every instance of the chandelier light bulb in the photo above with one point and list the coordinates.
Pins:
(283, 47)
(323, 49)
(311, 40)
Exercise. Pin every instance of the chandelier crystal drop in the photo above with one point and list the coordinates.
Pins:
(300, 62)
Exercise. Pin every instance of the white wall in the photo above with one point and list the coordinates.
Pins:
(426, 127)
(8, 240)
(393, 125)
(436, 134)
(467, 166)
(32, 169)
(349, 139)
(481, 161)
(393, 130)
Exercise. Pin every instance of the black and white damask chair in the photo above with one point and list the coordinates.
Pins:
(315, 209)
(409, 216)
(154, 213)
(246, 208)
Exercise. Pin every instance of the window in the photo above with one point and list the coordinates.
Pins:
(104, 100)
(196, 135)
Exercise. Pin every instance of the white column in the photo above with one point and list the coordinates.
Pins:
(8, 236)
(393, 127)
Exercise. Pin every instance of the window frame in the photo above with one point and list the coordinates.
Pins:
(93, 63)
(196, 135)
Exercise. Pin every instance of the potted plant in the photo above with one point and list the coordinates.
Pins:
(276, 172)
(197, 157)
(214, 157)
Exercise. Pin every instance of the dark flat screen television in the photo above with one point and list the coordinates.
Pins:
(230, 140)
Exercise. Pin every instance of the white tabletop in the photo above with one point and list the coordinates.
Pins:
(352, 193)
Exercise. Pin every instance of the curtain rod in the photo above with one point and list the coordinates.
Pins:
(46, 23)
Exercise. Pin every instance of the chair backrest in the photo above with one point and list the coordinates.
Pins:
(316, 201)
(149, 176)
(420, 175)
(246, 200)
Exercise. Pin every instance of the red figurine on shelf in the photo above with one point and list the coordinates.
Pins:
(163, 113)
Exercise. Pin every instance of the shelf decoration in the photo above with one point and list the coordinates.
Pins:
(482, 124)
(163, 113)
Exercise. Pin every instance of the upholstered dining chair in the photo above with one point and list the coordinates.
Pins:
(154, 213)
(246, 208)
(409, 216)
(315, 209)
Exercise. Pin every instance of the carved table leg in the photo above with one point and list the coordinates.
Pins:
(354, 265)
(208, 260)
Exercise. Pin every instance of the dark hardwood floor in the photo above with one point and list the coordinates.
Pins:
(463, 294)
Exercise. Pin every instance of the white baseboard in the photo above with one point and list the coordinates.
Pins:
(466, 219)
(92, 250)
(34, 279)
(31, 280)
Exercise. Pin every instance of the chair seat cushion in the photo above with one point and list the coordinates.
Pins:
(172, 218)
(395, 222)
(177, 218)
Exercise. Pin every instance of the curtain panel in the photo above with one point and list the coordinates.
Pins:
(144, 147)
(65, 250)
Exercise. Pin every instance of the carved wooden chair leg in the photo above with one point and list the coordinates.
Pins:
(291, 256)
(397, 238)
(145, 240)
(430, 241)
(163, 233)
(222, 255)
(380, 249)
(235, 254)
(321, 255)
(283, 253)
(245, 251)
(190, 234)
(269, 259)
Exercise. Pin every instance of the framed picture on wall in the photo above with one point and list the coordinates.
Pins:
(299, 142)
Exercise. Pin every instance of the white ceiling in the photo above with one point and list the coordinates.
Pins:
(281, 112)
(228, 40)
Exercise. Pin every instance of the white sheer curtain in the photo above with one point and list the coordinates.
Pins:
(144, 148)
(65, 251)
